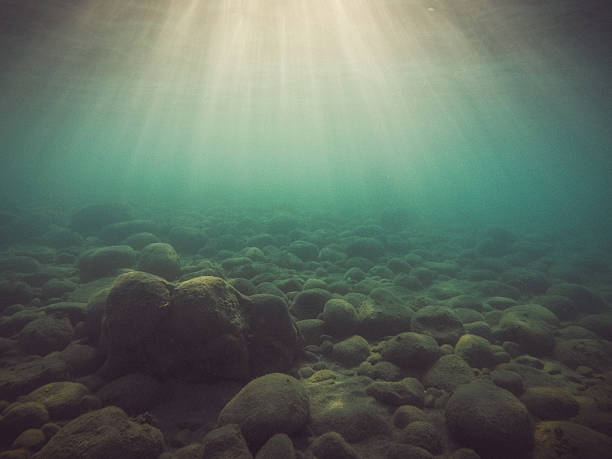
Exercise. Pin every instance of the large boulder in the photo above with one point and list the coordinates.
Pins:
(274, 341)
(135, 298)
(490, 420)
(101, 434)
(202, 328)
(209, 326)
(271, 404)
(104, 261)
(160, 259)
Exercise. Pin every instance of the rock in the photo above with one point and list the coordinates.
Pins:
(209, 325)
(91, 218)
(594, 353)
(24, 377)
(476, 351)
(225, 442)
(561, 306)
(81, 358)
(14, 292)
(406, 414)
(279, 446)
(509, 380)
(598, 323)
(9, 325)
(141, 297)
(377, 320)
(135, 393)
(439, 322)
(308, 304)
(489, 419)
(365, 247)
(531, 326)
(73, 310)
(104, 261)
(311, 330)
(307, 251)
(56, 288)
(340, 317)
(528, 282)
(45, 334)
(351, 351)
(20, 416)
(495, 289)
(422, 434)
(411, 350)
(19, 264)
(94, 314)
(564, 439)
(139, 241)
(586, 301)
(186, 239)
(63, 400)
(550, 403)
(332, 445)
(448, 373)
(101, 434)
(31, 439)
(119, 231)
(160, 259)
(408, 391)
(274, 341)
(271, 404)
(385, 371)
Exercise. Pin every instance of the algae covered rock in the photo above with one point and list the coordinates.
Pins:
(411, 350)
(101, 434)
(104, 261)
(46, 334)
(271, 404)
(63, 400)
(351, 351)
(490, 420)
(448, 373)
(160, 259)
(564, 439)
(438, 322)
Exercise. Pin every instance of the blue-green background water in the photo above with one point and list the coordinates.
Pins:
(485, 110)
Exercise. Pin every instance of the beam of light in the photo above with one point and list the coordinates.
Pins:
(295, 88)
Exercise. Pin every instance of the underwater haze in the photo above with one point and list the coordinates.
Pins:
(365, 229)
(481, 108)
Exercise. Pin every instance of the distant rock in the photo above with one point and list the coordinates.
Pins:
(160, 259)
(101, 262)
(91, 218)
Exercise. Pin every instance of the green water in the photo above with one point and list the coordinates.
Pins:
(470, 109)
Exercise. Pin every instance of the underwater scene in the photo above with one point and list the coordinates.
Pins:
(305, 229)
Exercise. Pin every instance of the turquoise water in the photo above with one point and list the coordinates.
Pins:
(488, 109)
(381, 228)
